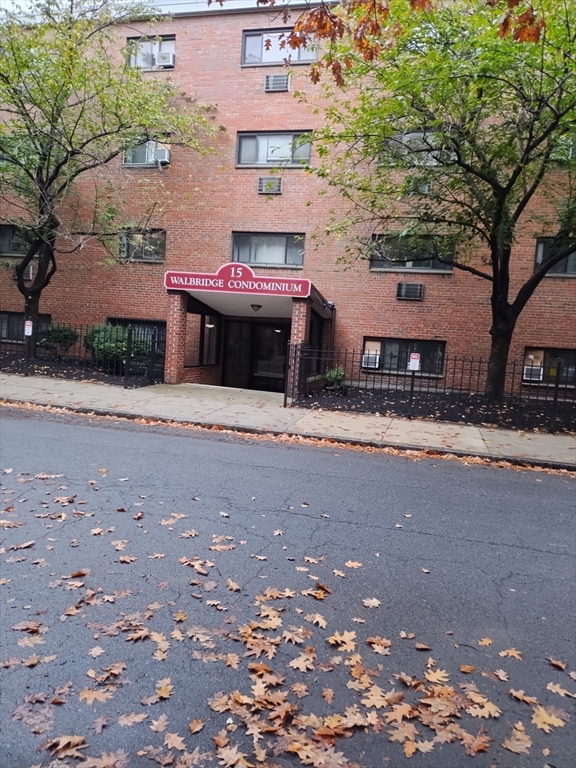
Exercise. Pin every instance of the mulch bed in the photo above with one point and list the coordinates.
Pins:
(460, 408)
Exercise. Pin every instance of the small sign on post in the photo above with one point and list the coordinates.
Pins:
(28, 328)
(414, 361)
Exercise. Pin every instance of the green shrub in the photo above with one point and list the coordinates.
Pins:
(109, 344)
(335, 378)
(57, 339)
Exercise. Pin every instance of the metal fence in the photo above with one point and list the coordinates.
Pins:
(117, 354)
(535, 397)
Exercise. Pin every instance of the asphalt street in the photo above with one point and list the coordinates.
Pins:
(149, 573)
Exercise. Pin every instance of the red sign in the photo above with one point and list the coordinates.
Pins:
(237, 278)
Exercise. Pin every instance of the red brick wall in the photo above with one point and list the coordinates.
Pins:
(206, 198)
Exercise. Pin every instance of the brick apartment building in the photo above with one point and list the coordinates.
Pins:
(279, 279)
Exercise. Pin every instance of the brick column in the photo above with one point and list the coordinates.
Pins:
(175, 337)
(301, 310)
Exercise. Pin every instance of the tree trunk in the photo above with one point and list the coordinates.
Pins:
(498, 361)
(32, 312)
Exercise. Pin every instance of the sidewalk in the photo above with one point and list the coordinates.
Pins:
(246, 410)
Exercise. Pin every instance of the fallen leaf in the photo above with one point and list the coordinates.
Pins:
(352, 564)
(66, 746)
(409, 748)
(316, 618)
(544, 719)
(467, 668)
(328, 695)
(180, 616)
(127, 559)
(159, 725)
(474, 744)
(485, 641)
(164, 689)
(173, 741)
(371, 602)
(129, 720)
(90, 695)
(556, 663)
(519, 742)
(437, 676)
(99, 724)
(232, 586)
(96, 651)
(521, 696)
(511, 653)
(556, 688)
(196, 725)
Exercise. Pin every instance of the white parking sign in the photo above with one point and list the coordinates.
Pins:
(414, 362)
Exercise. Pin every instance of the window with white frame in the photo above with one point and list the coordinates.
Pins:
(392, 355)
(147, 245)
(394, 254)
(269, 249)
(275, 149)
(566, 266)
(548, 364)
(11, 241)
(271, 47)
(152, 52)
(150, 153)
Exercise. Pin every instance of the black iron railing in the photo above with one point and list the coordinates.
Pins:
(118, 354)
(453, 389)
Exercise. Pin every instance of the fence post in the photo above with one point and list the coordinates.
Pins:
(412, 382)
(128, 357)
(555, 401)
(27, 354)
(152, 357)
(287, 367)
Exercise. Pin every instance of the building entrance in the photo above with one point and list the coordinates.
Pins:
(255, 354)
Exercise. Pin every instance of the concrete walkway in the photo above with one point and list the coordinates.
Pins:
(263, 412)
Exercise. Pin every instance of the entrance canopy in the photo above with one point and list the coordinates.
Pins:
(235, 290)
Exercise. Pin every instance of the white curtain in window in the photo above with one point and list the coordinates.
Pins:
(268, 249)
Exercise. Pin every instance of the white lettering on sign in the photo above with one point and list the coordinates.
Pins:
(237, 278)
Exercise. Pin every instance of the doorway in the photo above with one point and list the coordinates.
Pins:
(255, 354)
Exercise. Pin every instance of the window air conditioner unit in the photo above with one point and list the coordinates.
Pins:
(410, 291)
(163, 59)
(162, 155)
(269, 186)
(533, 373)
(370, 360)
(276, 83)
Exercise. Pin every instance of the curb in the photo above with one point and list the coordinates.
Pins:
(432, 450)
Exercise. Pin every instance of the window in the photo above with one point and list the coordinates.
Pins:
(541, 365)
(256, 248)
(12, 325)
(152, 53)
(270, 47)
(417, 148)
(392, 355)
(273, 149)
(148, 153)
(208, 352)
(149, 245)
(11, 242)
(395, 253)
(565, 267)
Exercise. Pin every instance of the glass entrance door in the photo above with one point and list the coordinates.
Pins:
(269, 357)
(255, 355)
